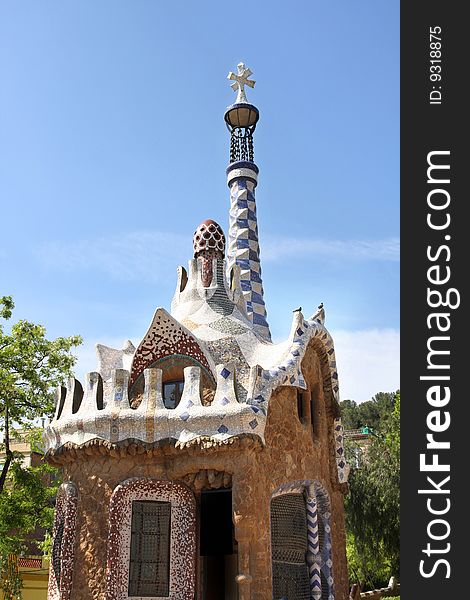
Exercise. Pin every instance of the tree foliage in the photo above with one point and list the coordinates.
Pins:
(31, 367)
(26, 515)
(371, 413)
(373, 503)
(26, 504)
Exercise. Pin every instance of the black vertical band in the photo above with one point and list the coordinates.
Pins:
(434, 307)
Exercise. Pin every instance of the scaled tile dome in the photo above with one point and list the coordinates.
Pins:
(208, 236)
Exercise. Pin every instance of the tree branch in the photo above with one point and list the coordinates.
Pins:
(8, 452)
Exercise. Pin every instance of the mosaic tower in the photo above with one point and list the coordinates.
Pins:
(242, 178)
(206, 462)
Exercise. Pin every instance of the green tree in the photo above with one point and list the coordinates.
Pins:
(31, 367)
(373, 504)
(26, 505)
(376, 412)
(350, 415)
(373, 413)
(26, 513)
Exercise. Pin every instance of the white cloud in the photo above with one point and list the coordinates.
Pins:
(150, 256)
(275, 248)
(134, 256)
(368, 362)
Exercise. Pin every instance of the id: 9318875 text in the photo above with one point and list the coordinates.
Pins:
(435, 64)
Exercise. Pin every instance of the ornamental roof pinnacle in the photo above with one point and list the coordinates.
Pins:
(241, 78)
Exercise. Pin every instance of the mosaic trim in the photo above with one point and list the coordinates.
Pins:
(247, 174)
(242, 164)
(317, 506)
(200, 302)
(63, 535)
(113, 358)
(228, 326)
(242, 168)
(228, 350)
(288, 371)
(219, 301)
(112, 418)
(313, 543)
(151, 421)
(182, 536)
(165, 337)
(341, 464)
(243, 250)
(324, 514)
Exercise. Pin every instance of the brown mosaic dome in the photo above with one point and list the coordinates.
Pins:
(210, 238)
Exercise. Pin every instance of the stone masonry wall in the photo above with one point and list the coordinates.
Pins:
(293, 452)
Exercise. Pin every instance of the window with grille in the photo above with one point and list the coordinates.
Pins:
(149, 569)
(289, 547)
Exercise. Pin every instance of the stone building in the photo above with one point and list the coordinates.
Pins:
(207, 463)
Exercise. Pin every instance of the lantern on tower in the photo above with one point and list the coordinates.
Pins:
(241, 118)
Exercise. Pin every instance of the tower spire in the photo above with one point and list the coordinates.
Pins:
(242, 178)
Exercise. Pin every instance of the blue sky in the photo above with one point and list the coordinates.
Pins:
(113, 149)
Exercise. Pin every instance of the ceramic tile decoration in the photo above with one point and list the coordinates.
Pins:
(343, 467)
(260, 367)
(182, 536)
(319, 555)
(206, 402)
(243, 247)
(63, 533)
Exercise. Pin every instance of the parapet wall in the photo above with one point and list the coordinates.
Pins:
(103, 411)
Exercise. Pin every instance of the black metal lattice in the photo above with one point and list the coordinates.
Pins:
(241, 144)
(289, 547)
(149, 569)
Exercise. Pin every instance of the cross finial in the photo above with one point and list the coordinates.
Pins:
(241, 79)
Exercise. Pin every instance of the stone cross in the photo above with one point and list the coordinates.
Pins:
(241, 79)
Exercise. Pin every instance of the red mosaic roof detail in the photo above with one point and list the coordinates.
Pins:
(165, 337)
(210, 238)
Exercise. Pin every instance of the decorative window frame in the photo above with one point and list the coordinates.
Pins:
(66, 512)
(319, 560)
(182, 536)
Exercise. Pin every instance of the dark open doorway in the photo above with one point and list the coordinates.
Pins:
(217, 546)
